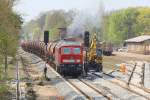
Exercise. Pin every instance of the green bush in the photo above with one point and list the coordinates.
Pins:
(3, 89)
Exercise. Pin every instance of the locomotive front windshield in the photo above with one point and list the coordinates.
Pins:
(76, 50)
(66, 50)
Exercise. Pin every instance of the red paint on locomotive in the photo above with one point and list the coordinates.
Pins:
(73, 56)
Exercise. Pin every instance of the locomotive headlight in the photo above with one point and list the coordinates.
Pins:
(64, 60)
(78, 60)
(70, 61)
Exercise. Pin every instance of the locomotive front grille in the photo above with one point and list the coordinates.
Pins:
(71, 69)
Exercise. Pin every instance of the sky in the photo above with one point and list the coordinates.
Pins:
(30, 9)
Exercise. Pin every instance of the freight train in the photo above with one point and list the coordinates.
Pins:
(65, 56)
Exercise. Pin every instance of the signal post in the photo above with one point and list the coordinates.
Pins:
(46, 40)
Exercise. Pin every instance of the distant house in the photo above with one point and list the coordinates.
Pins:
(140, 44)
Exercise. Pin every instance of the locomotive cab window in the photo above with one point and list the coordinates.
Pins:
(66, 51)
(77, 50)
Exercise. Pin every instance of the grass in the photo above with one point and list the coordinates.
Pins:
(5, 94)
(4, 88)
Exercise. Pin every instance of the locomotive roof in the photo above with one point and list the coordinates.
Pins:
(68, 43)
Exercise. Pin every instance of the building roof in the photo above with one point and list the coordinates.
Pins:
(139, 38)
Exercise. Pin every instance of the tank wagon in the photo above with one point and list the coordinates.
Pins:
(35, 47)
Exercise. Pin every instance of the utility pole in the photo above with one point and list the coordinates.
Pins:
(46, 60)
(17, 78)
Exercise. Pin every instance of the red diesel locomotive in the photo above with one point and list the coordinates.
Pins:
(67, 57)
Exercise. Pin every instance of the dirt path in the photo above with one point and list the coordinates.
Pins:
(133, 56)
(122, 57)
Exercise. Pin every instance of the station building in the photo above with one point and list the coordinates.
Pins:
(140, 44)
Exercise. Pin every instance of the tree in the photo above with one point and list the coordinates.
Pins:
(51, 20)
(9, 30)
(54, 20)
(143, 19)
(126, 23)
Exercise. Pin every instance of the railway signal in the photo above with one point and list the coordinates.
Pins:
(86, 38)
(46, 37)
(86, 45)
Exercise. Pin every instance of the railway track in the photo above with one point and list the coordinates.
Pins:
(132, 72)
(139, 71)
(90, 92)
(147, 76)
(104, 92)
(133, 89)
(135, 76)
(109, 95)
(143, 74)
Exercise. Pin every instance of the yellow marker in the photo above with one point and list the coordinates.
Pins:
(123, 68)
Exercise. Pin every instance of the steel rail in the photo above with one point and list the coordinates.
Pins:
(131, 74)
(91, 87)
(97, 90)
(125, 87)
(82, 92)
